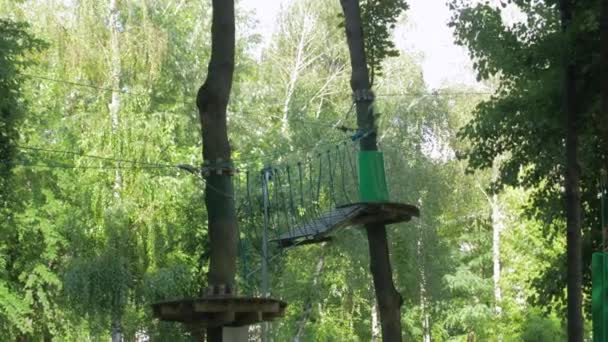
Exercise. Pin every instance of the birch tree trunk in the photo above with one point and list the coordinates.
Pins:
(114, 107)
(497, 228)
(389, 300)
(212, 101)
(424, 310)
(572, 185)
(309, 303)
(498, 225)
(376, 330)
(115, 73)
(294, 74)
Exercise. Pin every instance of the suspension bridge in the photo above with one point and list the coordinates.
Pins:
(308, 200)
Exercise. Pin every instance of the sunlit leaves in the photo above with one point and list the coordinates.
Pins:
(523, 122)
(379, 18)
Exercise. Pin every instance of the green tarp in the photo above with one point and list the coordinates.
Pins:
(599, 296)
(372, 181)
(599, 279)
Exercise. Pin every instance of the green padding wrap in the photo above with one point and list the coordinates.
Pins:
(599, 296)
(604, 200)
(372, 180)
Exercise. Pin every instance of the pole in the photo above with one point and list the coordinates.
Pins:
(265, 290)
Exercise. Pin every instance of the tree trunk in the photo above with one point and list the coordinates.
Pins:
(389, 300)
(294, 74)
(115, 73)
(424, 309)
(603, 115)
(376, 330)
(48, 337)
(309, 302)
(497, 227)
(212, 101)
(572, 186)
(116, 330)
(114, 107)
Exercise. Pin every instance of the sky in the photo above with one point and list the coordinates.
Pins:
(425, 34)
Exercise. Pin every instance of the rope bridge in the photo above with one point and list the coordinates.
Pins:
(285, 205)
(307, 201)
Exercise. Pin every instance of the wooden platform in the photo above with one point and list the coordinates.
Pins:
(317, 230)
(219, 311)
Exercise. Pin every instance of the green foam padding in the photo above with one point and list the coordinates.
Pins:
(599, 296)
(604, 209)
(372, 179)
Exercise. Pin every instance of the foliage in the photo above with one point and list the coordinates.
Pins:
(521, 123)
(379, 18)
(15, 44)
(78, 254)
(540, 328)
(23, 282)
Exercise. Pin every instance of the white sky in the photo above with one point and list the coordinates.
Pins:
(425, 34)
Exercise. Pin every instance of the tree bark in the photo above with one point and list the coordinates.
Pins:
(603, 114)
(116, 330)
(388, 299)
(212, 101)
(497, 228)
(498, 225)
(115, 73)
(48, 337)
(424, 305)
(603, 117)
(572, 184)
(310, 301)
(295, 73)
(114, 107)
(376, 330)
(115, 66)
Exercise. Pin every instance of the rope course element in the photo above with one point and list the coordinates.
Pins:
(297, 192)
(40, 150)
(304, 201)
(127, 92)
(219, 167)
(52, 165)
(83, 85)
(292, 201)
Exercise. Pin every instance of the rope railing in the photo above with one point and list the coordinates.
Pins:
(299, 192)
(306, 198)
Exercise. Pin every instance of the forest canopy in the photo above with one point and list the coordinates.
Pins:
(102, 184)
